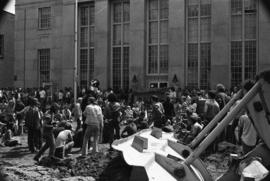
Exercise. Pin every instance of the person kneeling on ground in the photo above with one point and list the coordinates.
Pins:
(64, 142)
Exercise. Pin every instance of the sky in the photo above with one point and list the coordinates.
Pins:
(10, 6)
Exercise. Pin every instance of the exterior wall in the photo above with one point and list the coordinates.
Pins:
(220, 43)
(60, 39)
(177, 42)
(7, 61)
(263, 38)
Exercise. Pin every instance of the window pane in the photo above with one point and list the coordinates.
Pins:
(153, 60)
(126, 68)
(126, 11)
(192, 65)
(84, 37)
(236, 6)
(193, 2)
(44, 17)
(92, 15)
(250, 6)
(83, 64)
(116, 68)
(205, 29)
(205, 7)
(250, 59)
(153, 32)
(205, 65)
(117, 34)
(84, 11)
(236, 63)
(153, 9)
(117, 12)
(91, 34)
(163, 59)
(91, 63)
(193, 10)
(126, 34)
(236, 27)
(193, 30)
(250, 26)
(44, 65)
(164, 32)
(164, 9)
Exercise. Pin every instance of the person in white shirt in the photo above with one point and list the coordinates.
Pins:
(94, 123)
(64, 142)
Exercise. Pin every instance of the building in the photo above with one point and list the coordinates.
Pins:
(141, 44)
(7, 22)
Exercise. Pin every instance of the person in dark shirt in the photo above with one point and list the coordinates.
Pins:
(168, 108)
(129, 130)
(141, 121)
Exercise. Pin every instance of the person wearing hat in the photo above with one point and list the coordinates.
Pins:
(94, 123)
(34, 125)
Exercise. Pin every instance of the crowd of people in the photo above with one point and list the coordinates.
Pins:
(58, 124)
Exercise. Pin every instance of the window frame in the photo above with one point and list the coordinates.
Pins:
(90, 48)
(159, 43)
(122, 44)
(198, 42)
(49, 20)
(39, 51)
(243, 41)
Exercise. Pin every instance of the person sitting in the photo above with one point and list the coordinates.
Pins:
(7, 139)
(141, 121)
(195, 127)
(129, 130)
(64, 142)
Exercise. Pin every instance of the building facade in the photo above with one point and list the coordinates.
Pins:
(141, 44)
(7, 22)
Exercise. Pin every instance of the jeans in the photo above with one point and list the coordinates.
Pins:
(92, 131)
(49, 143)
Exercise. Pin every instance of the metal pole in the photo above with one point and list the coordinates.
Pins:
(212, 136)
(214, 121)
(75, 50)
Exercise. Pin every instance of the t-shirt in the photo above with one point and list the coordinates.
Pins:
(62, 138)
(249, 134)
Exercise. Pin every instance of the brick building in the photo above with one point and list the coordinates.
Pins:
(141, 44)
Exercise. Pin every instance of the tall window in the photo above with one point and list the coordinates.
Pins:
(120, 44)
(44, 65)
(2, 46)
(157, 37)
(243, 40)
(198, 43)
(86, 43)
(44, 18)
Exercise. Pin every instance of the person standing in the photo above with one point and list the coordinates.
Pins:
(158, 117)
(33, 124)
(48, 135)
(94, 123)
(77, 113)
(112, 117)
